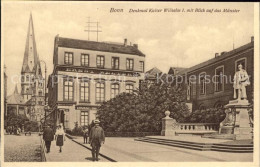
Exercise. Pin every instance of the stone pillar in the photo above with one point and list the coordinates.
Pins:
(167, 125)
(242, 129)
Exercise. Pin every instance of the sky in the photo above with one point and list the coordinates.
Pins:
(173, 39)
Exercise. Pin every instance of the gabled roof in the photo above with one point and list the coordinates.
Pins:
(219, 58)
(152, 73)
(97, 46)
(15, 98)
(175, 70)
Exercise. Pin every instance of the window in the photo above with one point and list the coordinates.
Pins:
(40, 102)
(68, 90)
(202, 83)
(114, 90)
(84, 59)
(115, 62)
(142, 66)
(189, 90)
(68, 58)
(100, 61)
(40, 93)
(241, 61)
(27, 78)
(129, 64)
(129, 88)
(84, 91)
(83, 118)
(219, 79)
(100, 92)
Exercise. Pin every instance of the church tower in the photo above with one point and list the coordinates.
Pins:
(32, 83)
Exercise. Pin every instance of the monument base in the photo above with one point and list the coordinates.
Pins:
(227, 130)
(167, 133)
(241, 129)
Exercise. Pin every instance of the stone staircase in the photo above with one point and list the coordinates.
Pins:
(244, 148)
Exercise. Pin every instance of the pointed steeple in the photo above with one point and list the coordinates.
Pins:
(30, 59)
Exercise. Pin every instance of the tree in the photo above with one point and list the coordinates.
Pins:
(143, 110)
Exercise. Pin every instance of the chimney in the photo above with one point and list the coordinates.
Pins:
(252, 38)
(135, 45)
(125, 41)
(216, 55)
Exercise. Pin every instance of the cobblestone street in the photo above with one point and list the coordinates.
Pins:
(22, 148)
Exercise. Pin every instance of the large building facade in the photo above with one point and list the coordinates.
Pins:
(87, 73)
(210, 83)
(32, 82)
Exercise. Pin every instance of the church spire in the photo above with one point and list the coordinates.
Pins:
(30, 59)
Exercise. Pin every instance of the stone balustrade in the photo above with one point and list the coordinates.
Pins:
(196, 127)
(171, 127)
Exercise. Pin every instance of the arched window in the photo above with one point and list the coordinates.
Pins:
(114, 90)
(202, 107)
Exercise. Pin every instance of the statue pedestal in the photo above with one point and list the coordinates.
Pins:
(242, 129)
(167, 125)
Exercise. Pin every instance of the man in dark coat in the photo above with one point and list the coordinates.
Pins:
(96, 138)
(48, 136)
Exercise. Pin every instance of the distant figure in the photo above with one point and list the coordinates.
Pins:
(85, 135)
(96, 138)
(241, 80)
(48, 137)
(60, 136)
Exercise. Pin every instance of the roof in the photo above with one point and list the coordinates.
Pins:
(175, 70)
(219, 58)
(15, 98)
(98, 46)
(152, 73)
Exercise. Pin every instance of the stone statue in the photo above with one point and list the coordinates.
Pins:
(241, 80)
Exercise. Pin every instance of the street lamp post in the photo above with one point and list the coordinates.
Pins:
(45, 87)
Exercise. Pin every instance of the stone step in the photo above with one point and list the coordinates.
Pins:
(236, 148)
(175, 145)
(199, 145)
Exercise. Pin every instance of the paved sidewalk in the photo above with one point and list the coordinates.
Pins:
(128, 150)
(71, 152)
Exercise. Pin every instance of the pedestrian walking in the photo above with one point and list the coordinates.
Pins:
(85, 134)
(60, 137)
(48, 137)
(96, 139)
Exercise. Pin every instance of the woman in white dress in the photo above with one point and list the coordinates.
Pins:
(60, 137)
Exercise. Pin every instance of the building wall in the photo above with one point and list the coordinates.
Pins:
(93, 57)
(211, 98)
(122, 85)
(72, 109)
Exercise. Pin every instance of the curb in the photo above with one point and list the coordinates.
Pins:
(43, 150)
(102, 155)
